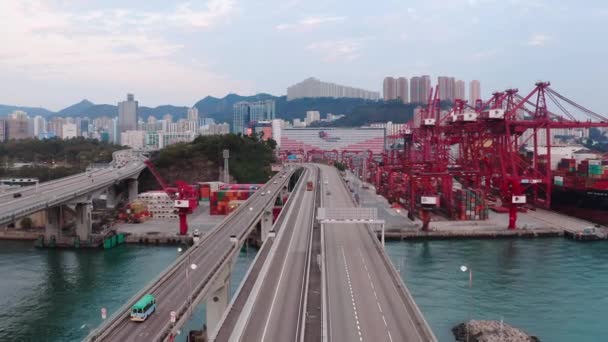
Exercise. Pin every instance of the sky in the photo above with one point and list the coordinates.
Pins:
(55, 53)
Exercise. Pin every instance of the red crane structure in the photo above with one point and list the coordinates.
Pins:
(184, 197)
(480, 148)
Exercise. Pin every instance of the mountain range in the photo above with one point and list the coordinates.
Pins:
(220, 109)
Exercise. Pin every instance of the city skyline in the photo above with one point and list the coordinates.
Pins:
(60, 52)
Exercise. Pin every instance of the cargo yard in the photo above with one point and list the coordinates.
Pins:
(510, 163)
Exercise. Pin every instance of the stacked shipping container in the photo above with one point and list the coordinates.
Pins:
(469, 204)
(589, 173)
(219, 202)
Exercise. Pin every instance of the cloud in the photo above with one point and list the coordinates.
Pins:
(115, 48)
(539, 40)
(337, 50)
(309, 23)
(215, 12)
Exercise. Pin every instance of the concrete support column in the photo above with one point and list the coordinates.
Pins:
(54, 222)
(217, 302)
(83, 221)
(266, 223)
(111, 197)
(132, 184)
(284, 194)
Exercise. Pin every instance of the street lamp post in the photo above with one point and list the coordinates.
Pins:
(464, 268)
(193, 267)
(188, 280)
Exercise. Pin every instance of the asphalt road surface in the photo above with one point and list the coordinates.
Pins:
(363, 301)
(279, 306)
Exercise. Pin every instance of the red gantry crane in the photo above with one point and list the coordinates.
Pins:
(184, 197)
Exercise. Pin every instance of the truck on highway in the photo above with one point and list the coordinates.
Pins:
(309, 186)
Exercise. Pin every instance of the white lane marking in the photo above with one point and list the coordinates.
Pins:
(371, 282)
(352, 295)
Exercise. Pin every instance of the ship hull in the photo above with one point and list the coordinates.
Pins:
(591, 205)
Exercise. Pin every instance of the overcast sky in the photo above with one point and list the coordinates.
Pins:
(55, 53)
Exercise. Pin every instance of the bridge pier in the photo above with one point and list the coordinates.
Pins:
(111, 197)
(54, 222)
(217, 301)
(132, 185)
(266, 222)
(83, 220)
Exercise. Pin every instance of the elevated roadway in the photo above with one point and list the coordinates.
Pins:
(365, 298)
(31, 199)
(213, 255)
(278, 308)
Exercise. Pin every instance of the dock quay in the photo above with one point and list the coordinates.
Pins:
(471, 234)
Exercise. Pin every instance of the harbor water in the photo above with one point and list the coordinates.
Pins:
(554, 289)
(551, 288)
(57, 295)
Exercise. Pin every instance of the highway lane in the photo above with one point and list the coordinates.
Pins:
(279, 306)
(363, 301)
(174, 291)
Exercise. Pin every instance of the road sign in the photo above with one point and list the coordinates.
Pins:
(173, 316)
(104, 313)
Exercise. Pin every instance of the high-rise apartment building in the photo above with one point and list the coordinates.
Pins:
(415, 89)
(240, 117)
(459, 90)
(168, 118)
(447, 88)
(312, 87)
(18, 126)
(261, 110)
(127, 115)
(246, 112)
(389, 89)
(3, 130)
(69, 131)
(395, 89)
(39, 126)
(425, 88)
(419, 89)
(474, 92)
(193, 114)
(402, 89)
(84, 127)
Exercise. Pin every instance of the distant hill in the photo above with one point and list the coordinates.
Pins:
(91, 110)
(366, 114)
(357, 111)
(76, 109)
(33, 111)
(221, 109)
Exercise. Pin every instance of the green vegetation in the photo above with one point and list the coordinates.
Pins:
(340, 166)
(250, 159)
(52, 158)
(27, 223)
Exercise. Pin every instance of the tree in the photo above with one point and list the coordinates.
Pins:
(27, 223)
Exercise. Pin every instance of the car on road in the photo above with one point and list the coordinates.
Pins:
(16, 195)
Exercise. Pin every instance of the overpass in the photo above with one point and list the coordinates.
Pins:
(274, 308)
(180, 287)
(77, 191)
